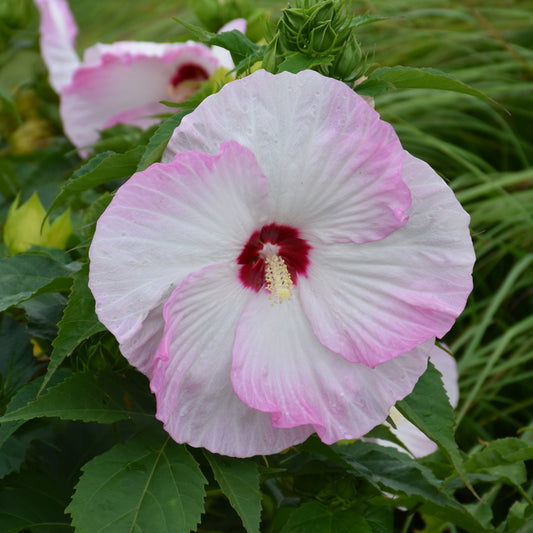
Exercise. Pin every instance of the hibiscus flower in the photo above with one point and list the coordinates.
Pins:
(285, 270)
(123, 82)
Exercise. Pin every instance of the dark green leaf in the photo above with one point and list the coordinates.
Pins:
(239, 480)
(389, 469)
(159, 140)
(78, 323)
(502, 459)
(8, 105)
(26, 275)
(92, 397)
(102, 168)
(429, 409)
(43, 313)
(23, 397)
(423, 78)
(32, 501)
(313, 517)
(149, 484)
(17, 364)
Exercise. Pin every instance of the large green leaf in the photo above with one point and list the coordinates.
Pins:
(239, 480)
(415, 484)
(428, 408)
(149, 484)
(102, 168)
(312, 517)
(78, 323)
(400, 77)
(26, 275)
(32, 501)
(102, 397)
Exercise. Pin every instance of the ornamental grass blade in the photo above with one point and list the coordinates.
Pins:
(239, 481)
(79, 322)
(148, 484)
(429, 409)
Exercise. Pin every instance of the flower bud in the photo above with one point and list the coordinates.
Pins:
(347, 64)
(24, 227)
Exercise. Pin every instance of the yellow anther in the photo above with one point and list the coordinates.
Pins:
(277, 278)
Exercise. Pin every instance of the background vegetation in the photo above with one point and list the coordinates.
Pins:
(484, 149)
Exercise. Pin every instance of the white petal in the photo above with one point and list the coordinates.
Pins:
(164, 223)
(280, 367)
(375, 301)
(195, 399)
(333, 167)
(58, 32)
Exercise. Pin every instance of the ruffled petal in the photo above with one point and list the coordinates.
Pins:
(280, 367)
(333, 167)
(121, 77)
(191, 380)
(164, 223)
(58, 32)
(376, 301)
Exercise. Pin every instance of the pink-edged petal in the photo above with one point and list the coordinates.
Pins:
(333, 167)
(280, 367)
(375, 301)
(164, 223)
(416, 442)
(124, 76)
(58, 32)
(191, 380)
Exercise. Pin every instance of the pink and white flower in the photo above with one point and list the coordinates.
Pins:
(284, 271)
(120, 82)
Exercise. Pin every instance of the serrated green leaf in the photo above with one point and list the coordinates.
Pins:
(32, 501)
(429, 409)
(389, 469)
(159, 140)
(502, 459)
(102, 168)
(79, 322)
(239, 481)
(413, 483)
(400, 77)
(149, 484)
(312, 517)
(92, 397)
(23, 397)
(23, 276)
(296, 62)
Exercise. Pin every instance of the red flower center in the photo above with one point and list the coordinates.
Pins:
(188, 72)
(274, 256)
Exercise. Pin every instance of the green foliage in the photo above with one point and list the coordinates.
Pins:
(149, 483)
(79, 444)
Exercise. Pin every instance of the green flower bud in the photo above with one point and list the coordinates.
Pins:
(24, 227)
(348, 63)
(323, 39)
